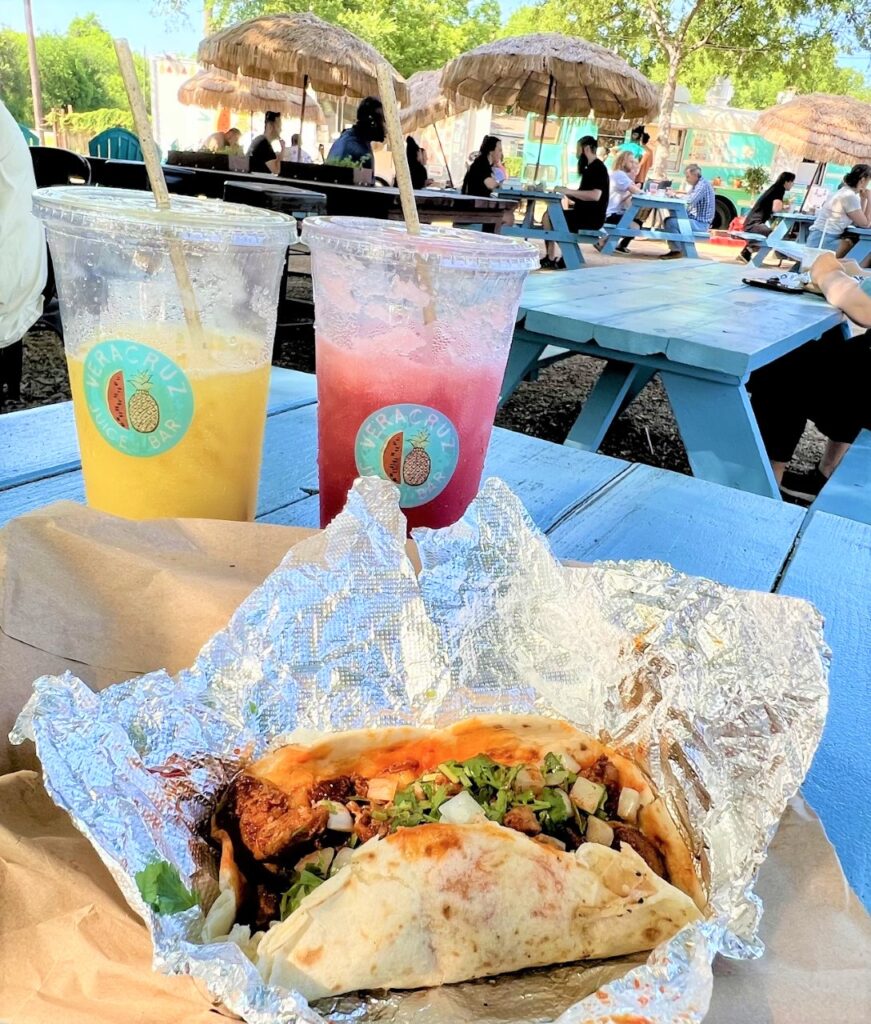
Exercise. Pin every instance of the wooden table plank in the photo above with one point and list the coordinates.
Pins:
(40, 442)
(848, 493)
(701, 528)
(830, 567)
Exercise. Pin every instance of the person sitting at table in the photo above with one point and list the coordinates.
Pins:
(701, 207)
(355, 143)
(825, 381)
(416, 158)
(635, 145)
(589, 200)
(850, 205)
(769, 203)
(224, 142)
(261, 153)
(480, 179)
(296, 153)
(622, 188)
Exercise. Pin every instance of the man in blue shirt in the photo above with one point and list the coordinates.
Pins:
(355, 143)
(701, 207)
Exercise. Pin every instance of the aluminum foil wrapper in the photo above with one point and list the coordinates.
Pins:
(723, 691)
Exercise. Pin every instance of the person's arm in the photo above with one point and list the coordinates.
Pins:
(491, 184)
(777, 206)
(862, 216)
(587, 195)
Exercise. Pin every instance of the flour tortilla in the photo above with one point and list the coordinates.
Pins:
(508, 739)
(443, 903)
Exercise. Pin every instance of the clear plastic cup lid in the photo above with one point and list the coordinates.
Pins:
(135, 216)
(387, 240)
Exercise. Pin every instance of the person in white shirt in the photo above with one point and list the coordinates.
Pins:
(623, 187)
(23, 259)
(296, 153)
(849, 206)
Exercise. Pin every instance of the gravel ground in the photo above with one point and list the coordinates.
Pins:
(545, 408)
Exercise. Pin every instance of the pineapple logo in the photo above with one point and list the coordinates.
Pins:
(418, 465)
(414, 446)
(143, 412)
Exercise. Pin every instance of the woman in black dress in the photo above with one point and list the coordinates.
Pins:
(769, 203)
(480, 179)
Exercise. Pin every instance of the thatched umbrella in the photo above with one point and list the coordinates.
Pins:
(427, 103)
(551, 74)
(829, 129)
(298, 50)
(216, 89)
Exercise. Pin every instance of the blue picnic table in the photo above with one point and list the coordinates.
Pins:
(591, 507)
(696, 324)
(785, 222)
(559, 231)
(684, 238)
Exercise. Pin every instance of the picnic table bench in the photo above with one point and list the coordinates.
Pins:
(590, 507)
(786, 221)
(695, 324)
(685, 238)
(560, 232)
(848, 491)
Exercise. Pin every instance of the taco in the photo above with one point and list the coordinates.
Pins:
(404, 858)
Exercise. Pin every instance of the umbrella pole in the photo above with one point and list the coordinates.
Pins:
(543, 126)
(444, 156)
(302, 111)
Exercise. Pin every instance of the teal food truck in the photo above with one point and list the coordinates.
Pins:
(720, 139)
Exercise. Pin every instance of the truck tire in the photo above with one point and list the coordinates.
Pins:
(724, 213)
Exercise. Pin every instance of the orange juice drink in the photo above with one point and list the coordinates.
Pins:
(170, 431)
(168, 324)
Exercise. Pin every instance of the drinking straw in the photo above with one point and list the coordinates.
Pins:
(158, 184)
(403, 178)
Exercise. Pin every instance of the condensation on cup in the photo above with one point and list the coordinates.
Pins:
(169, 419)
(412, 338)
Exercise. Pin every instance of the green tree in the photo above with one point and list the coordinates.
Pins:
(763, 45)
(412, 34)
(14, 75)
(78, 69)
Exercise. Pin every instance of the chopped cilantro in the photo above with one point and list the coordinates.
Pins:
(307, 881)
(162, 889)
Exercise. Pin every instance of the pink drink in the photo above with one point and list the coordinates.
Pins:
(413, 334)
(453, 405)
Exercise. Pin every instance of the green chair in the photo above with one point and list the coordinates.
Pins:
(115, 144)
(29, 137)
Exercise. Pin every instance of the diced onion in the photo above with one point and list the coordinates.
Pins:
(628, 804)
(569, 763)
(342, 858)
(382, 790)
(556, 778)
(320, 859)
(462, 809)
(646, 798)
(567, 804)
(529, 777)
(599, 832)
(340, 819)
(587, 795)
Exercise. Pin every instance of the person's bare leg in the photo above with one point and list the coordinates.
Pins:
(835, 451)
(844, 246)
(549, 247)
(778, 468)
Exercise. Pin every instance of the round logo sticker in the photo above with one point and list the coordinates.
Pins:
(139, 399)
(412, 445)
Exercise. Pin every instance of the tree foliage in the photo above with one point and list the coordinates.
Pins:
(762, 58)
(412, 34)
(77, 69)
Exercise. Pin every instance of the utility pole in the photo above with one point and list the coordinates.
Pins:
(35, 88)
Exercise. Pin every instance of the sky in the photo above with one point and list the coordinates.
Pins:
(154, 34)
(131, 18)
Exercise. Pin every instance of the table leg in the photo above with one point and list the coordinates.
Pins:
(779, 232)
(521, 360)
(618, 385)
(613, 238)
(571, 251)
(688, 248)
(860, 250)
(720, 433)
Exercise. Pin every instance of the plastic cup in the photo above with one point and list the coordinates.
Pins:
(412, 337)
(169, 418)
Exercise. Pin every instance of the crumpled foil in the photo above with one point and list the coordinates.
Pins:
(722, 691)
